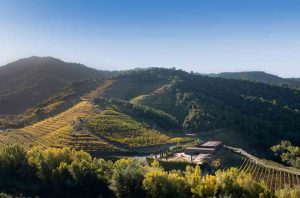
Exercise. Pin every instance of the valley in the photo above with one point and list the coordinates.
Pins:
(149, 99)
(161, 112)
(108, 131)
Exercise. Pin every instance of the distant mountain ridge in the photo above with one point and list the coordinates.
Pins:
(29, 81)
(259, 76)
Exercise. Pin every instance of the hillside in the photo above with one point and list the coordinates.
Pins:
(57, 103)
(274, 176)
(29, 81)
(297, 80)
(57, 131)
(258, 76)
(157, 106)
(79, 117)
(142, 112)
(260, 113)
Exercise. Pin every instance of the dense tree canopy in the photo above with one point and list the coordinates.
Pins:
(263, 114)
(66, 172)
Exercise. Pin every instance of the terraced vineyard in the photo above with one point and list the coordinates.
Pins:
(275, 179)
(274, 176)
(58, 131)
(122, 128)
(107, 130)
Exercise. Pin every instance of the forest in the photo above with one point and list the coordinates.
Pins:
(66, 172)
(264, 114)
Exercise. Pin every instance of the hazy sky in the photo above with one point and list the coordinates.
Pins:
(201, 35)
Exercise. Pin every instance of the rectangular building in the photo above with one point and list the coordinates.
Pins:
(208, 147)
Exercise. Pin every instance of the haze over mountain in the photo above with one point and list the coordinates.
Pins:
(28, 81)
(259, 76)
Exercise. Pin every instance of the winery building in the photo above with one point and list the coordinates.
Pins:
(208, 147)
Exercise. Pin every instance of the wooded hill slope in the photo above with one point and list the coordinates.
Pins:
(261, 113)
(29, 81)
(169, 103)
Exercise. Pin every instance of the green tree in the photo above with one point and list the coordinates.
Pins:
(194, 177)
(127, 178)
(208, 186)
(234, 183)
(66, 172)
(159, 183)
(12, 160)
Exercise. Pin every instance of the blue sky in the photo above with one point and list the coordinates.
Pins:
(206, 36)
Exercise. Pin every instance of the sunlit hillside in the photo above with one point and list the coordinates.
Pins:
(58, 131)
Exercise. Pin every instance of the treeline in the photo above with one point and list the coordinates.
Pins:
(65, 172)
(288, 154)
(150, 74)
